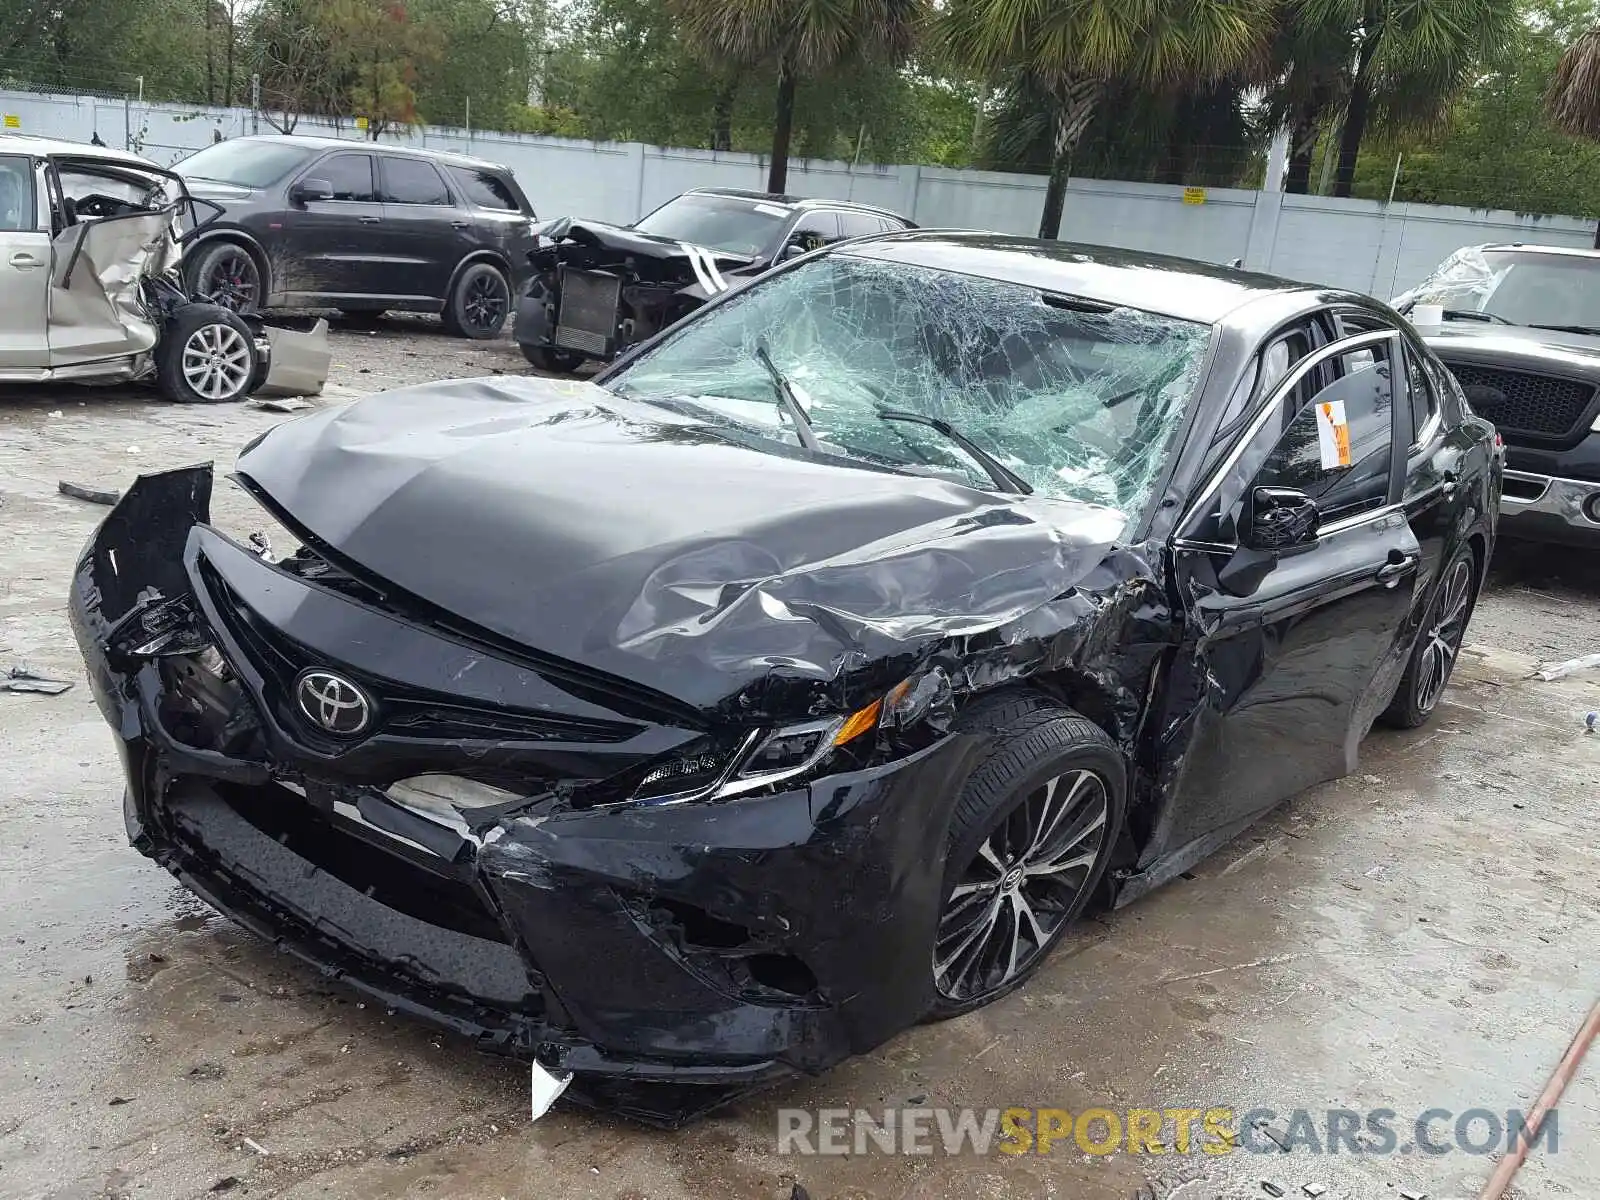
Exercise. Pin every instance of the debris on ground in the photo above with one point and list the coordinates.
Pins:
(288, 404)
(1572, 666)
(256, 1146)
(20, 679)
(82, 491)
(1405, 1195)
(226, 1184)
(1314, 1189)
(1589, 720)
(116, 1100)
(1271, 1188)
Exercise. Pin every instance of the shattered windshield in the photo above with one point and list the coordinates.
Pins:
(732, 223)
(1515, 287)
(244, 163)
(1079, 399)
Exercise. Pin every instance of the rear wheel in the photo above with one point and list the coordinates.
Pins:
(479, 303)
(548, 358)
(206, 356)
(226, 275)
(1029, 841)
(1434, 656)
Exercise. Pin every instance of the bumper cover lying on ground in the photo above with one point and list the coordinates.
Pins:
(670, 956)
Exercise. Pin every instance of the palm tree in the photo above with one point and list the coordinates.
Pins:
(796, 38)
(1072, 51)
(1403, 62)
(1573, 100)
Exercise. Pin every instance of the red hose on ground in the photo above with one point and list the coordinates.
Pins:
(1565, 1070)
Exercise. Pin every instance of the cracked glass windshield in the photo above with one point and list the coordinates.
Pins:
(1079, 399)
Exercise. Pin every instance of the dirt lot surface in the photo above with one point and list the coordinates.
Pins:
(1422, 935)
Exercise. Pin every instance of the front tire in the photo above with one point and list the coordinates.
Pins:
(1030, 839)
(226, 274)
(479, 303)
(548, 358)
(1438, 646)
(206, 356)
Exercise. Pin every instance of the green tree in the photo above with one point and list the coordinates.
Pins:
(792, 38)
(1405, 59)
(1069, 53)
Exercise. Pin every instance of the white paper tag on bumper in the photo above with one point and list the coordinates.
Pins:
(546, 1088)
(1333, 435)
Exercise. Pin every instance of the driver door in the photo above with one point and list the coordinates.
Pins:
(1287, 656)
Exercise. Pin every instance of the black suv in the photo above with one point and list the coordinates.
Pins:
(360, 227)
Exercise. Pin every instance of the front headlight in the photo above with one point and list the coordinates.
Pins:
(766, 757)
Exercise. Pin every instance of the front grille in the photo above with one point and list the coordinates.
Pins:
(1522, 402)
(402, 711)
(588, 316)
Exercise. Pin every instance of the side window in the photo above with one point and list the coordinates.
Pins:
(852, 224)
(1424, 400)
(16, 194)
(1265, 372)
(815, 229)
(484, 188)
(1338, 448)
(350, 175)
(411, 181)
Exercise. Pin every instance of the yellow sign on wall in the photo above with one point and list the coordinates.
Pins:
(13, 121)
(1194, 195)
(361, 122)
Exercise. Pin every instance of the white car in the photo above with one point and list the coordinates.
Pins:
(90, 239)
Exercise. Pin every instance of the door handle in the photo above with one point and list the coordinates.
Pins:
(1397, 568)
(23, 261)
(369, 220)
(460, 224)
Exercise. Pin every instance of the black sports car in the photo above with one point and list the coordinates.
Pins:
(810, 672)
(599, 289)
(361, 227)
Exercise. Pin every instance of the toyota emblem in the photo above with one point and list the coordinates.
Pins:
(333, 703)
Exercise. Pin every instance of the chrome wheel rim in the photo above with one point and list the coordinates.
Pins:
(1028, 875)
(217, 362)
(232, 282)
(485, 303)
(1442, 642)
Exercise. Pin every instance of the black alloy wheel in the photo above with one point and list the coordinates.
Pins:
(227, 276)
(1030, 839)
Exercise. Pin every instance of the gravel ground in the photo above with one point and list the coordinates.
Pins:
(1419, 935)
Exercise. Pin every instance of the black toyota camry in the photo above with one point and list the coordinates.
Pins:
(808, 673)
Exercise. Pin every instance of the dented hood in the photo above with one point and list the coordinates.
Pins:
(649, 545)
(647, 245)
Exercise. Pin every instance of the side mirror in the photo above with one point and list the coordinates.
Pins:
(308, 190)
(792, 250)
(1278, 519)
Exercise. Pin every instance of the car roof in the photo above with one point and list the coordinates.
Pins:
(24, 143)
(334, 143)
(795, 202)
(1175, 287)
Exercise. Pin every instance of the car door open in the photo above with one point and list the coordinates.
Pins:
(1297, 569)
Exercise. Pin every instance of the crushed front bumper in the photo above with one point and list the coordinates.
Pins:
(1550, 509)
(671, 957)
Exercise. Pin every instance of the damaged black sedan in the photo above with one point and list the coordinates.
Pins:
(809, 673)
(598, 289)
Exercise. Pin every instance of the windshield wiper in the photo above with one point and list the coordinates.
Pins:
(1004, 477)
(787, 399)
(1473, 314)
(1589, 329)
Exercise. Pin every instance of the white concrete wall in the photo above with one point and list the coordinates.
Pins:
(1359, 244)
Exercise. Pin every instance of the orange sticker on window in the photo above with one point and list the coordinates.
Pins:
(1333, 435)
